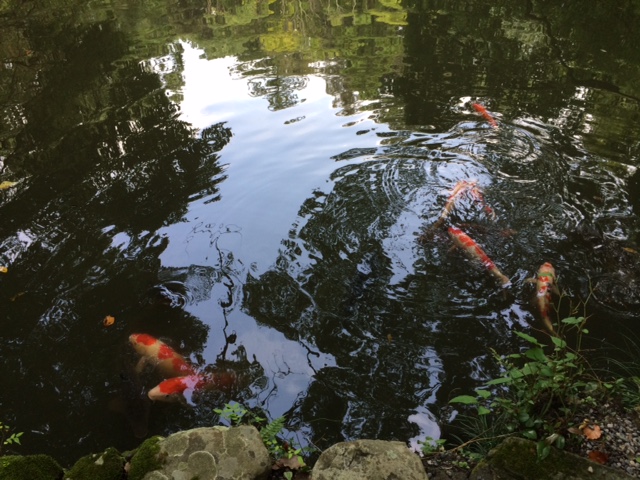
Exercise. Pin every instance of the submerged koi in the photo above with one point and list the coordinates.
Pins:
(545, 284)
(478, 196)
(473, 251)
(181, 388)
(459, 188)
(151, 350)
(486, 115)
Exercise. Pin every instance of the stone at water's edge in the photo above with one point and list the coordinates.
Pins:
(515, 459)
(370, 459)
(210, 453)
(29, 467)
(107, 465)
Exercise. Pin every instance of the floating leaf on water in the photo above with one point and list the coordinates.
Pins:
(108, 321)
(7, 184)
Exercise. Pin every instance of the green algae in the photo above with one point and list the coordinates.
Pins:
(146, 459)
(29, 467)
(107, 465)
(517, 458)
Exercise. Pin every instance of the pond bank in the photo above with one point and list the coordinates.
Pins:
(239, 453)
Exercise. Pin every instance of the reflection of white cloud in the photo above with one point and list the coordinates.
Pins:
(288, 366)
(429, 428)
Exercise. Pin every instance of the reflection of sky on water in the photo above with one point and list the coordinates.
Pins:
(243, 232)
(265, 153)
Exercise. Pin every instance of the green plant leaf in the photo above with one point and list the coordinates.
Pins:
(536, 354)
(558, 342)
(560, 442)
(530, 434)
(498, 381)
(543, 449)
(464, 399)
(572, 320)
(483, 410)
(483, 393)
(529, 339)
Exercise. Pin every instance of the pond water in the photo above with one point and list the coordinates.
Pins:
(251, 182)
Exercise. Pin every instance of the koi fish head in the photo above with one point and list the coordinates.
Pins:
(175, 389)
(546, 273)
(142, 340)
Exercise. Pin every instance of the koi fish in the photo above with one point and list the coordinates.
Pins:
(486, 115)
(182, 388)
(545, 284)
(461, 187)
(458, 189)
(473, 251)
(151, 350)
(478, 196)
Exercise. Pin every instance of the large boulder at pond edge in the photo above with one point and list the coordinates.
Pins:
(515, 458)
(370, 459)
(29, 467)
(107, 465)
(209, 453)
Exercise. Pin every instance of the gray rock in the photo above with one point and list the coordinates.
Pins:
(370, 459)
(236, 453)
(515, 459)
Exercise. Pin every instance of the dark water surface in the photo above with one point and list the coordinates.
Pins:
(248, 182)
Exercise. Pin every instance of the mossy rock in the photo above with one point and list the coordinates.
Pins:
(29, 467)
(516, 459)
(108, 465)
(146, 459)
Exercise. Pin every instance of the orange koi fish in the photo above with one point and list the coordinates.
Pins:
(545, 284)
(151, 350)
(486, 115)
(478, 196)
(473, 251)
(181, 388)
(459, 188)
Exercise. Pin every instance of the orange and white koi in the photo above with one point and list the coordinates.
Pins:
(151, 350)
(182, 388)
(460, 188)
(545, 284)
(478, 196)
(486, 115)
(474, 252)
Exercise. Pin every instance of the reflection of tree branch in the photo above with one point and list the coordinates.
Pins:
(555, 46)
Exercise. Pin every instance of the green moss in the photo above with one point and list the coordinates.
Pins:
(98, 466)
(29, 467)
(516, 458)
(146, 459)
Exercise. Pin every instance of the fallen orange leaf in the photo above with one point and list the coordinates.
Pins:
(108, 321)
(4, 269)
(598, 457)
(592, 433)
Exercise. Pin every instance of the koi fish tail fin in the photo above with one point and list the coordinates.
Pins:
(549, 325)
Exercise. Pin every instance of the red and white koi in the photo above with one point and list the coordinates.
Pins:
(486, 115)
(182, 388)
(475, 253)
(545, 284)
(151, 350)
